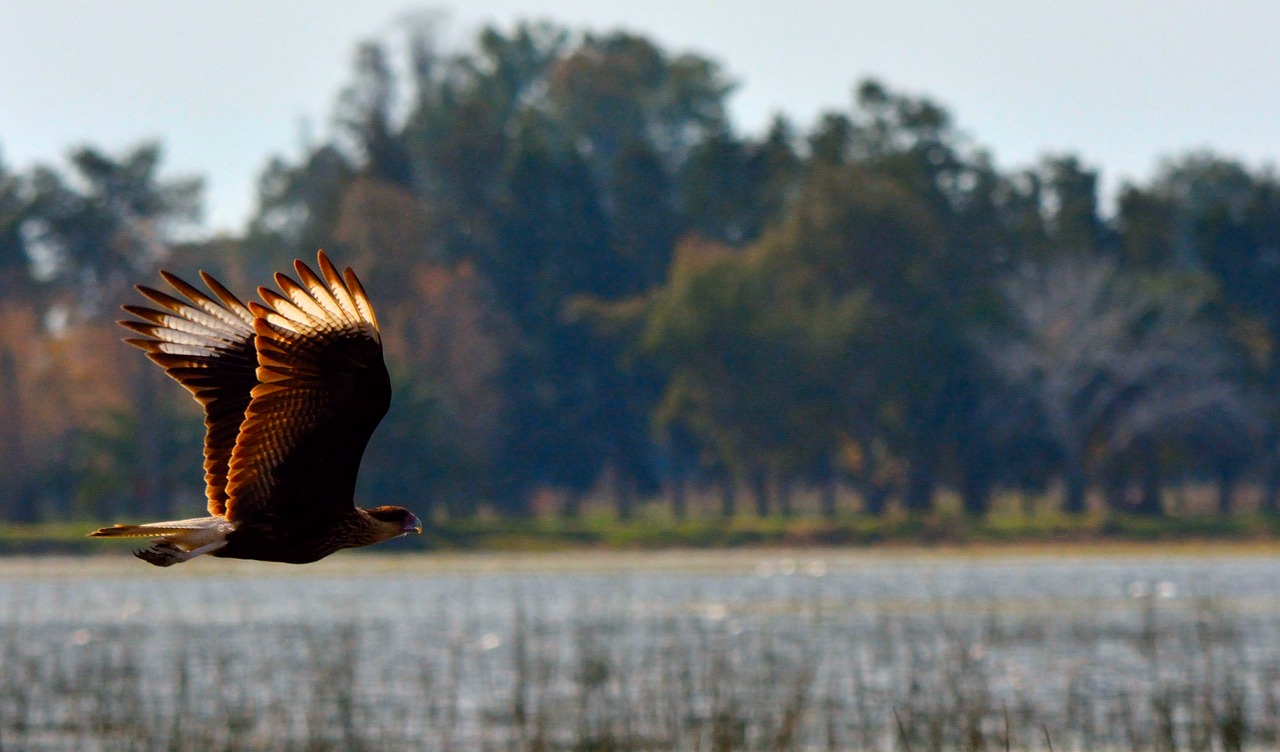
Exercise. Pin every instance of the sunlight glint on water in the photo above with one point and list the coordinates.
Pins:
(803, 650)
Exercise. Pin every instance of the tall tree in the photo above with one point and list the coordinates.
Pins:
(551, 245)
(366, 109)
(298, 209)
(619, 89)
(731, 189)
(1210, 214)
(464, 113)
(16, 288)
(15, 265)
(117, 219)
(859, 231)
(764, 366)
(1107, 362)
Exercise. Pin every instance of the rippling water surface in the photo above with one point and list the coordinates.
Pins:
(778, 650)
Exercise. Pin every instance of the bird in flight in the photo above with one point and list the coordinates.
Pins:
(292, 389)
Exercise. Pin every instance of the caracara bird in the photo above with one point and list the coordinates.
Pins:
(291, 390)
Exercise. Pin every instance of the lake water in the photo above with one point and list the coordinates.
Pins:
(737, 650)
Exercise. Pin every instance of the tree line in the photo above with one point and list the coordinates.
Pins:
(592, 286)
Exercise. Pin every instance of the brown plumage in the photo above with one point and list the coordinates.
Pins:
(292, 391)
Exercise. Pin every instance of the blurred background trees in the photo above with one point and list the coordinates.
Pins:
(595, 291)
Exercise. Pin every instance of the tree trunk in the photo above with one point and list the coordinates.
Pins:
(976, 494)
(1271, 486)
(918, 495)
(728, 495)
(572, 505)
(830, 488)
(1226, 486)
(875, 497)
(784, 497)
(457, 505)
(1077, 485)
(1114, 484)
(513, 498)
(679, 491)
(760, 490)
(624, 497)
(1152, 487)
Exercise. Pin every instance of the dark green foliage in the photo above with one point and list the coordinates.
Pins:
(592, 288)
(367, 112)
(13, 208)
(415, 458)
(108, 221)
(297, 210)
(730, 189)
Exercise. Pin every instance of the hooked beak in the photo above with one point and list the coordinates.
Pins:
(413, 525)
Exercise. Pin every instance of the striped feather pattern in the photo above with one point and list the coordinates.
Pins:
(207, 345)
(321, 389)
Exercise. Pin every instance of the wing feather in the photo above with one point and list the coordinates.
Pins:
(362, 301)
(230, 311)
(206, 345)
(342, 293)
(322, 389)
(328, 299)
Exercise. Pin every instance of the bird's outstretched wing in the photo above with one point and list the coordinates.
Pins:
(207, 346)
(323, 388)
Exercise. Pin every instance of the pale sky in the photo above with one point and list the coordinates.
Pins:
(226, 83)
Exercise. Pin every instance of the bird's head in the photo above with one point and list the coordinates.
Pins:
(395, 521)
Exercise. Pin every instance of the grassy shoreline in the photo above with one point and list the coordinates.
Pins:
(604, 532)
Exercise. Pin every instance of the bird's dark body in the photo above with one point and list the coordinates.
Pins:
(292, 389)
(301, 544)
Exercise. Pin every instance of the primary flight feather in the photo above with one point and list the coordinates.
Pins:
(292, 389)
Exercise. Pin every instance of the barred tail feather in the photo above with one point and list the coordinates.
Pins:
(154, 529)
(130, 531)
(178, 540)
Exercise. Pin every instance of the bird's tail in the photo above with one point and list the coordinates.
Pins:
(131, 531)
(177, 540)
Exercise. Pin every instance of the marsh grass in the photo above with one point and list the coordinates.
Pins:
(653, 527)
(797, 671)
